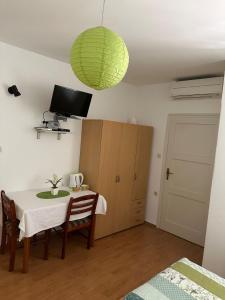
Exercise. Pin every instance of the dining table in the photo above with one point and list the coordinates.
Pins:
(36, 214)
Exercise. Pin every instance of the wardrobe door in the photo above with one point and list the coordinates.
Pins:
(126, 176)
(90, 151)
(108, 175)
(141, 176)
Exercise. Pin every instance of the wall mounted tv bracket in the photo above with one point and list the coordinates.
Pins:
(54, 124)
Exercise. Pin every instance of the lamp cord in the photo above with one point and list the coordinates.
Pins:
(103, 10)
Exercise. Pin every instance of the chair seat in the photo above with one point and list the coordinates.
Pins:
(79, 223)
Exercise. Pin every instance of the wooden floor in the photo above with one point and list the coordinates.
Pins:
(116, 265)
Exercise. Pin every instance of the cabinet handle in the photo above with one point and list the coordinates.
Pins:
(135, 176)
(117, 179)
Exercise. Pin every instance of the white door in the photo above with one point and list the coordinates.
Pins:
(188, 175)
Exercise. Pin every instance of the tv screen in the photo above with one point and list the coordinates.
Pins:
(68, 102)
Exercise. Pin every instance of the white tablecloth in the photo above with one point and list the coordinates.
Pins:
(37, 214)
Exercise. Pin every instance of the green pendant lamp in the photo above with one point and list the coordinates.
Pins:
(99, 57)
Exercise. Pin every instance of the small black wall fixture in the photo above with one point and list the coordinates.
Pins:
(13, 90)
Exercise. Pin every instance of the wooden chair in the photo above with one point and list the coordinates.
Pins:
(10, 230)
(77, 206)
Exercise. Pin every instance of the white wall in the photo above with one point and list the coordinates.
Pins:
(214, 253)
(152, 108)
(26, 162)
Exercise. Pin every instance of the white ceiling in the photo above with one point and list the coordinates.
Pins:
(167, 39)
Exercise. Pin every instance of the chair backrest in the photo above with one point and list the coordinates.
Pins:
(81, 205)
(8, 209)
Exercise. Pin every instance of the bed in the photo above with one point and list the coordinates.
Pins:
(184, 280)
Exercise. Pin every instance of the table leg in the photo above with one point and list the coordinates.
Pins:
(26, 254)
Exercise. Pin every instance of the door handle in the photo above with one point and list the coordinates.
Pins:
(168, 173)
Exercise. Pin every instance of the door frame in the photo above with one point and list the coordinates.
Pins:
(164, 156)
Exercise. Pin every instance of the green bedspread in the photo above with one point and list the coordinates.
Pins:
(184, 280)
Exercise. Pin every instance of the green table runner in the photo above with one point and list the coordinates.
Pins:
(48, 195)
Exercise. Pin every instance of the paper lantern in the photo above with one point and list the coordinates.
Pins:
(99, 58)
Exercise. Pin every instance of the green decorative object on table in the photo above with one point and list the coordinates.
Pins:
(48, 194)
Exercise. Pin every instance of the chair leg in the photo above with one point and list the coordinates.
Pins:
(64, 244)
(90, 242)
(46, 242)
(91, 233)
(3, 241)
(89, 239)
(12, 252)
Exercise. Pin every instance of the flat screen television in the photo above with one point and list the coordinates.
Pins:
(68, 102)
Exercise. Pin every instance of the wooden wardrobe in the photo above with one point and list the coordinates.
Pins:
(114, 159)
